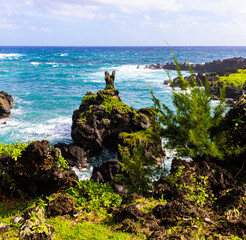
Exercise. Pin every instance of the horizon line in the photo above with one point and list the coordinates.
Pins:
(121, 46)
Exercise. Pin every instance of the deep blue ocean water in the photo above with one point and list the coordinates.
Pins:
(48, 83)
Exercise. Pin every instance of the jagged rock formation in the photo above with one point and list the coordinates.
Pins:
(6, 104)
(215, 66)
(232, 93)
(103, 116)
(37, 171)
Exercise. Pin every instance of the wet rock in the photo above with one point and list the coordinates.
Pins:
(6, 104)
(3, 228)
(62, 205)
(34, 226)
(37, 171)
(75, 155)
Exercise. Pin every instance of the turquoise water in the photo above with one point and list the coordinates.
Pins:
(48, 83)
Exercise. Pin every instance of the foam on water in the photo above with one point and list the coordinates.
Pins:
(10, 55)
(47, 93)
(35, 63)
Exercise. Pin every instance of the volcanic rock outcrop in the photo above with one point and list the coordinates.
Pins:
(37, 171)
(6, 104)
(215, 66)
(101, 117)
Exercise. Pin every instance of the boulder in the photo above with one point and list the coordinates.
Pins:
(75, 155)
(37, 171)
(107, 172)
(34, 226)
(62, 205)
(6, 104)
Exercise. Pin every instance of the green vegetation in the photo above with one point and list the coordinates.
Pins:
(86, 227)
(143, 137)
(134, 160)
(62, 161)
(89, 195)
(88, 97)
(110, 103)
(197, 191)
(67, 229)
(234, 79)
(190, 128)
(173, 178)
(13, 149)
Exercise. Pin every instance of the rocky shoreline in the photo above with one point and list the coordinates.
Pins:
(210, 67)
(6, 104)
(199, 199)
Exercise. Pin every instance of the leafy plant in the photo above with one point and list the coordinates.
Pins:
(197, 191)
(189, 129)
(63, 162)
(13, 149)
(90, 195)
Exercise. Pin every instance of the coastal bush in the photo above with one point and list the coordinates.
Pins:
(190, 128)
(13, 149)
(90, 195)
(134, 160)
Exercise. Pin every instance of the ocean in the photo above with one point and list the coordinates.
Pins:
(48, 83)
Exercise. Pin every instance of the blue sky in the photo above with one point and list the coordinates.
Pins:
(123, 22)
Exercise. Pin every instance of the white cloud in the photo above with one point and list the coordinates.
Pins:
(164, 26)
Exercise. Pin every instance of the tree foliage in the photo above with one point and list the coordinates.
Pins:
(190, 127)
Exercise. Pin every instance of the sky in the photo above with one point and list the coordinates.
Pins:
(122, 22)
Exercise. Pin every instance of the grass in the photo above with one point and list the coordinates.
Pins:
(67, 229)
(234, 79)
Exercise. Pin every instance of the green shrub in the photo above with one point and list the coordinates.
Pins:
(13, 149)
(190, 128)
(90, 195)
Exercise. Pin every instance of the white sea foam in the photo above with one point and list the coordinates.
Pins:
(85, 173)
(64, 54)
(35, 63)
(9, 55)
